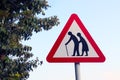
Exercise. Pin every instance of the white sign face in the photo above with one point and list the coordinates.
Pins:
(67, 50)
(75, 44)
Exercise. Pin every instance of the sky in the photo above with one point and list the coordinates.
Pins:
(101, 18)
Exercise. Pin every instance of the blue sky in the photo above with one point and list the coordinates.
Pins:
(101, 18)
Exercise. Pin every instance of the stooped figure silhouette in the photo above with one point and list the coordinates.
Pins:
(76, 43)
(84, 45)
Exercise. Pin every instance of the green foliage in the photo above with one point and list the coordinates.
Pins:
(18, 20)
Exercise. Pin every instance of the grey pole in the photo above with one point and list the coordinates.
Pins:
(77, 71)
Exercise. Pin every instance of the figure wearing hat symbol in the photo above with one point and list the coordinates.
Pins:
(84, 45)
(76, 43)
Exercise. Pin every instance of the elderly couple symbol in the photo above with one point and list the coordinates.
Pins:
(73, 38)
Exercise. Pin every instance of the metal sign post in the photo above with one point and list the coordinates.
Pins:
(77, 71)
(76, 32)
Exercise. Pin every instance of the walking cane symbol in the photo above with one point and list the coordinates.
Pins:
(66, 50)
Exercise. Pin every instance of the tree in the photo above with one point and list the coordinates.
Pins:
(18, 20)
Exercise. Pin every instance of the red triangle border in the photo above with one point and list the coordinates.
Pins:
(50, 57)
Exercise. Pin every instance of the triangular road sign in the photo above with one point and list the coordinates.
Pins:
(75, 44)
